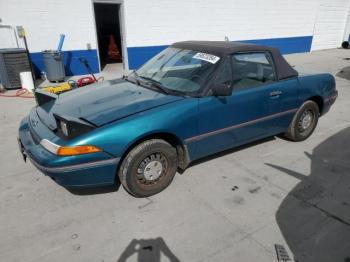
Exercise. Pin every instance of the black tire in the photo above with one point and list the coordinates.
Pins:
(298, 131)
(345, 45)
(156, 155)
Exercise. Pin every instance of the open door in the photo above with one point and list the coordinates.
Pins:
(108, 28)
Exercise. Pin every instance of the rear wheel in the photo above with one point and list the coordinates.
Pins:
(148, 168)
(304, 122)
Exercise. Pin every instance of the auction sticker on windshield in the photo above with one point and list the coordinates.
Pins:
(207, 57)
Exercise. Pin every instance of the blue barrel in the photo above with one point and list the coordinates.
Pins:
(54, 67)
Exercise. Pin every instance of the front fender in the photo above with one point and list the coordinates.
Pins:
(178, 119)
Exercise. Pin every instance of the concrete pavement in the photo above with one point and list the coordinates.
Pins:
(234, 206)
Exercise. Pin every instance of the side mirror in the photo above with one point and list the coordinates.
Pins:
(222, 90)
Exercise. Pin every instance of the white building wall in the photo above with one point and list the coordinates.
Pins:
(156, 22)
(346, 36)
(44, 20)
(330, 24)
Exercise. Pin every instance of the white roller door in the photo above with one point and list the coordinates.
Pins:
(330, 24)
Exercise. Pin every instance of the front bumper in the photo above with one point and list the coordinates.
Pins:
(94, 169)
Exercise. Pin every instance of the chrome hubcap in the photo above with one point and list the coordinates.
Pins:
(153, 170)
(306, 120)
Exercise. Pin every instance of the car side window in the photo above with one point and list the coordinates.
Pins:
(252, 70)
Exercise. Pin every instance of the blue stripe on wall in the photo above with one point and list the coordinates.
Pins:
(71, 62)
(287, 45)
(137, 56)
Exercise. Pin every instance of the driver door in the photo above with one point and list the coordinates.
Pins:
(245, 115)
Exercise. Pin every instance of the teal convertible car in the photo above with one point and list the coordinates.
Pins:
(193, 99)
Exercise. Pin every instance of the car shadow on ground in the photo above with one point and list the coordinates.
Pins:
(228, 151)
(147, 250)
(314, 218)
(344, 73)
(94, 190)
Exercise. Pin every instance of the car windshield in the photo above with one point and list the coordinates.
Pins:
(178, 70)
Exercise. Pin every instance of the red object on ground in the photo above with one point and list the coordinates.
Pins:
(23, 93)
(113, 51)
(87, 80)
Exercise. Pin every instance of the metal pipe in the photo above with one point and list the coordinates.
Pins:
(14, 31)
(29, 60)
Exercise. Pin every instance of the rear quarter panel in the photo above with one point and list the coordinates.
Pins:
(318, 85)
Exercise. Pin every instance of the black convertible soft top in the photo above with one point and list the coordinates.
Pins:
(224, 48)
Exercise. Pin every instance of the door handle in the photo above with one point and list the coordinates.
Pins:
(276, 93)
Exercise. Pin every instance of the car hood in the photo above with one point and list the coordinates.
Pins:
(103, 103)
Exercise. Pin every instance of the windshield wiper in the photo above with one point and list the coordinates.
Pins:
(155, 83)
(136, 77)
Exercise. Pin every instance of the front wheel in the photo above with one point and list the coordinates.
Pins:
(304, 122)
(148, 168)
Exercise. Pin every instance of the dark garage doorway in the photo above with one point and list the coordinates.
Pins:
(107, 17)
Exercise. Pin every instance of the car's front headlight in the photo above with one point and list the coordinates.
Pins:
(70, 127)
(68, 150)
(64, 128)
